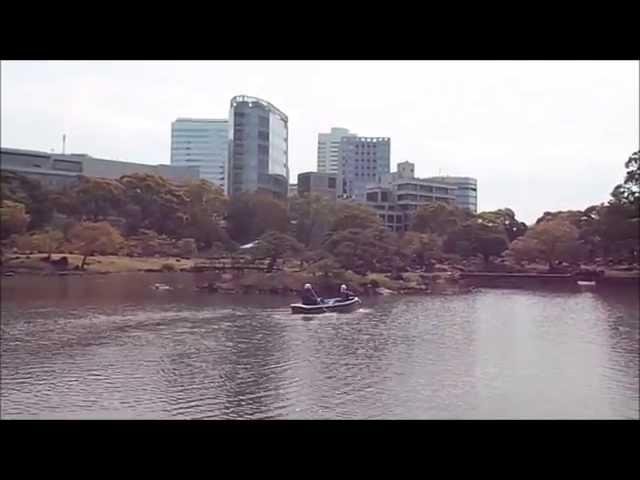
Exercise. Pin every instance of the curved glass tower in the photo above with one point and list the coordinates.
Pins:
(258, 148)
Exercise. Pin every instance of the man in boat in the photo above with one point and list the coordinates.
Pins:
(345, 293)
(309, 296)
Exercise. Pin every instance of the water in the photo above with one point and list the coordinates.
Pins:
(112, 347)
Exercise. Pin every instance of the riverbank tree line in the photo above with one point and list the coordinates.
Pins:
(145, 215)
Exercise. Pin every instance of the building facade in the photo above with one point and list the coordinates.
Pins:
(323, 184)
(203, 143)
(57, 170)
(466, 191)
(329, 149)
(396, 196)
(363, 161)
(258, 147)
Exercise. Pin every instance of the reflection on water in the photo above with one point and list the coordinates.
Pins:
(112, 347)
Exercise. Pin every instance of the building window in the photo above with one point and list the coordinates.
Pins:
(332, 182)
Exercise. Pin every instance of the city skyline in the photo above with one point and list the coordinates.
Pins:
(537, 135)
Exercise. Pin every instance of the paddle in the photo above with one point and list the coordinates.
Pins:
(318, 299)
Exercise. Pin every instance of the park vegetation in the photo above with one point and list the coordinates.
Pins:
(145, 215)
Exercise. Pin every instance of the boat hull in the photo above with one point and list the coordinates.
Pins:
(332, 306)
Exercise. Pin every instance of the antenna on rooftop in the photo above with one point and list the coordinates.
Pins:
(64, 141)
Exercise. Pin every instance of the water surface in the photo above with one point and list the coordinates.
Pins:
(112, 347)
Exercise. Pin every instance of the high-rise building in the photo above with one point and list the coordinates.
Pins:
(329, 149)
(203, 143)
(363, 161)
(258, 147)
(466, 190)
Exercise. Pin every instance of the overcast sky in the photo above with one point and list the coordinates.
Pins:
(537, 135)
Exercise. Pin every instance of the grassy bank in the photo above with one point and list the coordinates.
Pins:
(34, 264)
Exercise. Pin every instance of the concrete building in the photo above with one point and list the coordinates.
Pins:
(259, 147)
(293, 189)
(329, 149)
(58, 170)
(396, 196)
(363, 160)
(203, 143)
(324, 184)
(466, 190)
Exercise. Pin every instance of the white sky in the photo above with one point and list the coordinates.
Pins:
(537, 135)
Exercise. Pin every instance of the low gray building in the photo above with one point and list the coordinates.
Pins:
(324, 184)
(58, 170)
(466, 190)
(397, 196)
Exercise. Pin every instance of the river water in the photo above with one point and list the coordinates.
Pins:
(112, 347)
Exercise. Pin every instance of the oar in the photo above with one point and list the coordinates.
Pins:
(318, 299)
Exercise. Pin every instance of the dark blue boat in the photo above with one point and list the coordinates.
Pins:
(336, 305)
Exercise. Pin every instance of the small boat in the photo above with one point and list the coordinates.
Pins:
(336, 305)
(161, 286)
(586, 283)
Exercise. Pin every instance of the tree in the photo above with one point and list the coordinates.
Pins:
(504, 218)
(629, 191)
(32, 194)
(551, 241)
(354, 216)
(438, 218)
(421, 247)
(97, 198)
(275, 245)
(367, 250)
(311, 216)
(250, 215)
(571, 216)
(187, 247)
(161, 205)
(13, 218)
(91, 238)
(47, 241)
(477, 238)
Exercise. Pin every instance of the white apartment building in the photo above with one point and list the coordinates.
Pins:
(203, 143)
(329, 149)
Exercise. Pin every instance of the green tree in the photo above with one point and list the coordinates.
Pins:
(187, 247)
(97, 198)
(32, 194)
(421, 248)
(551, 241)
(250, 215)
(629, 191)
(48, 241)
(477, 238)
(95, 238)
(276, 245)
(311, 216)
(362, 251)
(162, 206)
(438, 218)
(504, 218)
(13, 218)
(354, 216)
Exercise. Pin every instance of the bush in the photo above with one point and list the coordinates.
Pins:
(168, 267)
(187, 247)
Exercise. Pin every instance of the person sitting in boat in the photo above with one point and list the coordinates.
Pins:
(345, 293)
(309, 296)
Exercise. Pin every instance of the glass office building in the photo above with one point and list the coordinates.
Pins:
(258, 147)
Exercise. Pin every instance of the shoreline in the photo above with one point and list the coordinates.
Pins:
(220, 277)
